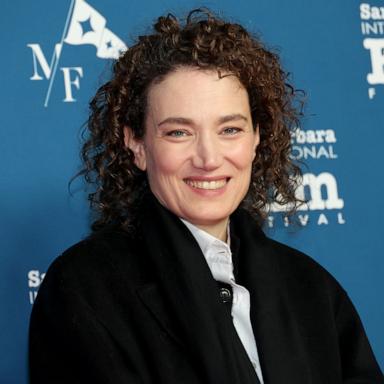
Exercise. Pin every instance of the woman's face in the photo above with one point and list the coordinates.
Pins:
(199, 145)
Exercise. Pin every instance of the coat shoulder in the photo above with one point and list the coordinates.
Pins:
(100, 259)
(283, 260)
(292, 257)
(298, 268)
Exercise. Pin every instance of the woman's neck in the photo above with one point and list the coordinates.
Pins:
(218, 230)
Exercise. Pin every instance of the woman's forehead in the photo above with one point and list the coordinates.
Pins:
(192, 93)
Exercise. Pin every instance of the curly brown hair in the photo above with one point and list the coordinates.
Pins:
(203, 41)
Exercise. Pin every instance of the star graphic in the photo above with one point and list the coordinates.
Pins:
(86, 26)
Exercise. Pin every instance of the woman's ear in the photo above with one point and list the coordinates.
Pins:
(256, 140)
(137, 147)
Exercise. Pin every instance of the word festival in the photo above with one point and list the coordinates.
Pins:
(305, 219)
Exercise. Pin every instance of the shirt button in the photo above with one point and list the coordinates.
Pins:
(225, 295)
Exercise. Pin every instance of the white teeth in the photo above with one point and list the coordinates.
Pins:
(215, 184)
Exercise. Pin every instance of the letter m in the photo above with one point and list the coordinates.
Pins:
(323, 193)
(39, 58)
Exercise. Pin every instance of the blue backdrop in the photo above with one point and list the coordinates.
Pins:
(56, 54)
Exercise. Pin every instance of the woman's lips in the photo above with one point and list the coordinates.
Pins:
(207, 184)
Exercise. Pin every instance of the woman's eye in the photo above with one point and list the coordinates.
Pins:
(176, 133)
(231, 130)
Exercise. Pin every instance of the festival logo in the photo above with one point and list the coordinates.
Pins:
(84, 25)
(372, 28)
(320, 191)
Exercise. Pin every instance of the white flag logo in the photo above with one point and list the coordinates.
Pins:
(88, 26)
(83, 25)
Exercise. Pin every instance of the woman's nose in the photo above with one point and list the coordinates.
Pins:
(207, 153)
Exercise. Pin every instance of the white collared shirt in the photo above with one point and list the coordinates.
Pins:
(219, 258)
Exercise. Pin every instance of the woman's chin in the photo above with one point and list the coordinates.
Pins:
(206, 219)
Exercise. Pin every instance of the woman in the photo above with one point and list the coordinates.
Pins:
(189, 142)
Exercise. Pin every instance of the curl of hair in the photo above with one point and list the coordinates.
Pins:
(206, 42)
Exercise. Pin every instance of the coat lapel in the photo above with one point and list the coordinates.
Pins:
(279, 342)
(191, 297)
(154, 302)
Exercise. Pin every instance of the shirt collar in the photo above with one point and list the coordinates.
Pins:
(205, 240)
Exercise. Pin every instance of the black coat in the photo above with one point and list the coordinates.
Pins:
(115, 308)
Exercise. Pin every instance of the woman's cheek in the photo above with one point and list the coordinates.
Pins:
(168, 159)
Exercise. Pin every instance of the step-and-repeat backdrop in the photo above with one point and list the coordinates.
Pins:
(56, 54)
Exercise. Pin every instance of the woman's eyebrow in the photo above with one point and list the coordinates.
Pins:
(186, 121)
(232, 117)
(176, 120)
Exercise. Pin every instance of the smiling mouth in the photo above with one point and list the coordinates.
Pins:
(204, 184)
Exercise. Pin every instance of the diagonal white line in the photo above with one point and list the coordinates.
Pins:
(56, 62)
